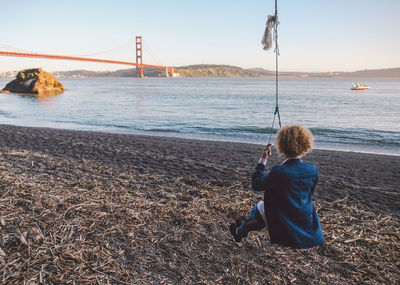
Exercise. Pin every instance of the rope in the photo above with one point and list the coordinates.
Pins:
(272, 23)
(273, 122)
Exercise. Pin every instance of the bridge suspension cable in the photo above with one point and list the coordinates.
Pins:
(151, 52)
(16, 49)
(127, 43)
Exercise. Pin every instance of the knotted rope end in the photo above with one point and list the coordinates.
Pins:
(272, 23)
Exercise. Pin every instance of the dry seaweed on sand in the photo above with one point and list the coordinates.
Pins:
(63, 221)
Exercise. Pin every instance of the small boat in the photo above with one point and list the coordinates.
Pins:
(357, 86)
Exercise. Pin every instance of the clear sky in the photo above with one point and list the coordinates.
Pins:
(319, 35)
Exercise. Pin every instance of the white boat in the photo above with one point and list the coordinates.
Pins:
(358, 86)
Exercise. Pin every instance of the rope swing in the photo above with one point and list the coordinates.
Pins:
(268, 38)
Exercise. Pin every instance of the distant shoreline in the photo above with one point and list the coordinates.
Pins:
(223, 71)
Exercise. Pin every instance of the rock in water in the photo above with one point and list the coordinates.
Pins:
(34, 81)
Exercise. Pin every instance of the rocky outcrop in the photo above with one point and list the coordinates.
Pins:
(34, 81)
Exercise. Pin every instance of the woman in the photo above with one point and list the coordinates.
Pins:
(287, 208)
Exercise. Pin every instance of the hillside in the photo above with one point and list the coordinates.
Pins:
(218, 71)
(212, 70)
(389, 72)
(130, 72)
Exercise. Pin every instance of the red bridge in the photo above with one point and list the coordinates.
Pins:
(169, 71)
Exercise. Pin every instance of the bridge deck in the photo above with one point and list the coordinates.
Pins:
(64, 57)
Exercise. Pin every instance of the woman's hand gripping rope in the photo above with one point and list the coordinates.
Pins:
(267, 152)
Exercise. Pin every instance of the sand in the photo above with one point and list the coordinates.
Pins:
(98, 207)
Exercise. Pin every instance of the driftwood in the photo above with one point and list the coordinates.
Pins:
(67, 222)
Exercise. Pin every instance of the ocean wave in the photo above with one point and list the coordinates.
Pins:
(254, 133)
(325, 135)
(6, 114)
(237, 129)
(357, 136)
(93, 123)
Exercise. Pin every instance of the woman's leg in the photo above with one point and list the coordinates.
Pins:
(244, 225)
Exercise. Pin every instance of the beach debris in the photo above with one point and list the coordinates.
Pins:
(69, 221)
(2, 253)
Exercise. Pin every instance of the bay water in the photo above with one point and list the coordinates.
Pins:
(227, 109)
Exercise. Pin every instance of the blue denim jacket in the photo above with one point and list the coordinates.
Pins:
(291, 215)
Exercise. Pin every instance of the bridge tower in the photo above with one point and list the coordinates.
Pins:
(139, 57)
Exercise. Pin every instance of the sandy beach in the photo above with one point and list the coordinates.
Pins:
(129, 209)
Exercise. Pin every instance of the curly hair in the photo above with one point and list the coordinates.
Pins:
(293, 141)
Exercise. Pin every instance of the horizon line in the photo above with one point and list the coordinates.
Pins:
(183, 66)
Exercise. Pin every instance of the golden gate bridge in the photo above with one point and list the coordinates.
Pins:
(168, 71)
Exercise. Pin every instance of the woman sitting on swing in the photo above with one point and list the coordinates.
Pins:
(287, 208)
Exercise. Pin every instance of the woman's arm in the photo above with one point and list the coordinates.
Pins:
(315, 182)
(259, 180)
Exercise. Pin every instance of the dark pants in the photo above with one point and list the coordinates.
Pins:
(252, 222)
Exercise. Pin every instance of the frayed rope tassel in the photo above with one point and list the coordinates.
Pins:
(272, 23)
